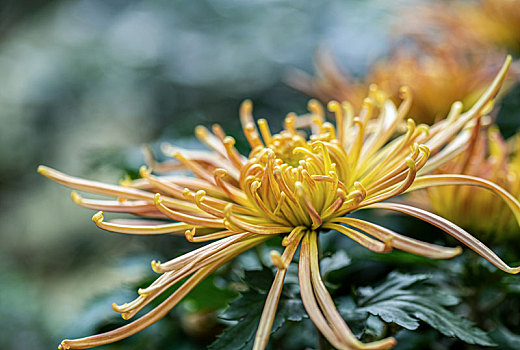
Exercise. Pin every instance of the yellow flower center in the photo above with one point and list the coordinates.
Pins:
(297, 182)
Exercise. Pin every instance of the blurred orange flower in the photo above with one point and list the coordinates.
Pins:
(436, 78)
(443, 51)
(483, 23)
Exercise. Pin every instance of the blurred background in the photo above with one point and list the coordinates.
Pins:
(84, 83)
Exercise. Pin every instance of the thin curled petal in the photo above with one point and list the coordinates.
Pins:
(453, 230)
(204, 251)
(365, 241)
(186, 218)
(271, 303)
(454, 179)
(143, 322)
(401, 242)
(226, 251)
(117, 206)
(177, 227)
(110, 190)
(331, 313)
(308, 299)
(190, 235)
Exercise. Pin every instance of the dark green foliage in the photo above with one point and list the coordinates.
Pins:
(505, 339)
(245, 311)
(334, 262)
(401, 301)
(406, 299)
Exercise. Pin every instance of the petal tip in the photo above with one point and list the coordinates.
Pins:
(64, 345)
(76, 198)
(43, 170)
(98, 217)
(515, 270)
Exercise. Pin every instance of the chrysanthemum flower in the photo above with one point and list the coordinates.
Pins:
(295, 187)
(436, 75)
(484, 23)
(492, 158)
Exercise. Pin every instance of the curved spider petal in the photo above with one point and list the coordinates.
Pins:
(452, 230)
(146, 320)
(454, 179)
(329, 309)
(401, 242)
(309, 300)
(178, 227)
(110, 190)
(364, 240)
(271, 303)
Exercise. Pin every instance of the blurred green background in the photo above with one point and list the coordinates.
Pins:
(84, 83)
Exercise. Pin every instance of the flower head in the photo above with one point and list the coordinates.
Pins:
(294, 186)
(437, 74)
(489, 157)
(484, 23)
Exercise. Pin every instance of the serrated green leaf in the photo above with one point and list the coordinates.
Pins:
(247, 308)
(355, 319)
(259, 280)
(375, 328)
(289, 309)
(395, 285)
(237, 336)
(394, 311)
(405, 300)
(335, 262)
(245, 304)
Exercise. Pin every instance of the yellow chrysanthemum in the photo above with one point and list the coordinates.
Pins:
(292, 186)
(489, 157)
(436, 76)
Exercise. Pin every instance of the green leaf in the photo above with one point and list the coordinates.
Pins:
(335, 262)
(237, 336)
(247, 303)
(375, 328)
(246, 309)
(506, 339)
(406, 300)
(198, 300)
(289, 309)
(259, 280)
(356, 320)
